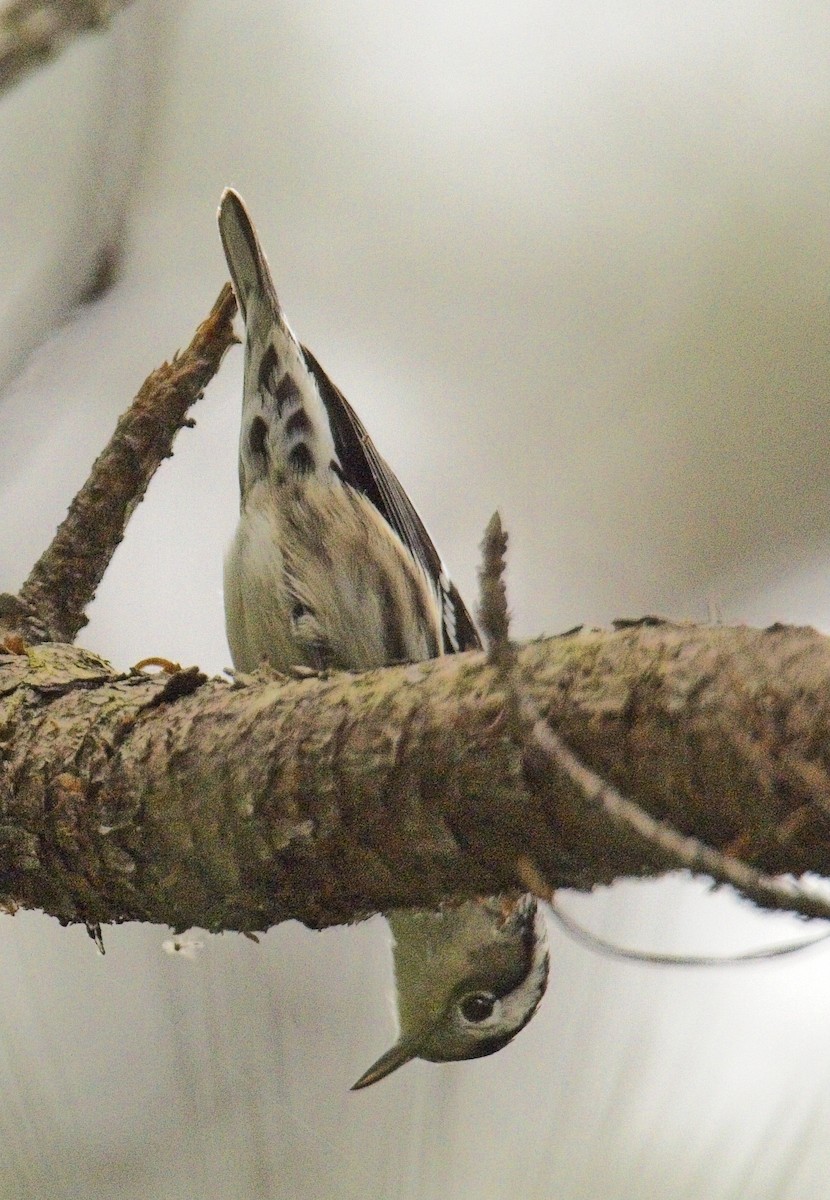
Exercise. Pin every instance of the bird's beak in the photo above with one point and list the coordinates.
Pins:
(402, 1052)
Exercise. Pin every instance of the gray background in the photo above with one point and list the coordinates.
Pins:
(569, 260)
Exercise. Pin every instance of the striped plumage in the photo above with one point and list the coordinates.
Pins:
(331, 566)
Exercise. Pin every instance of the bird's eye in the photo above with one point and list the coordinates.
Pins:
(298, 611)
(477, 1007)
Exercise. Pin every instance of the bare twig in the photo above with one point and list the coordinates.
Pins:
(32, 32)
(51, 603)
(532, 878)
(492, 610)
(684, 852)
(680, 850)
(600, 945)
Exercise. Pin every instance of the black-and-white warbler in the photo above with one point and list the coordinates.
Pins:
(331, 567)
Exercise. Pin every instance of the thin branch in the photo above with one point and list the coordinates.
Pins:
(681, 851)
(492, 610)
(600, 945)
(51, 603)
(33, 32)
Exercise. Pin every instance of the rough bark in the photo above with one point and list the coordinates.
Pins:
(187, 801)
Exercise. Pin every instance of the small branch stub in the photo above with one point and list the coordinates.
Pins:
(492, 613)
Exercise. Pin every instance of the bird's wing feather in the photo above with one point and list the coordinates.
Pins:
(358, 462)
(363, 468)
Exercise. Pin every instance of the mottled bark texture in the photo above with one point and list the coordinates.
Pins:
(187, 801)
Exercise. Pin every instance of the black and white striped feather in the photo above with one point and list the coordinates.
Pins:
(295, 420)
(332, 566)
(363, 468)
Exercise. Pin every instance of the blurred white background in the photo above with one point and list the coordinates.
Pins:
(570, 260)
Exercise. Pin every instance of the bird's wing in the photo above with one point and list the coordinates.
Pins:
(363, 468)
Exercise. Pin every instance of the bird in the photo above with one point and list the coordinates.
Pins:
(332, 568)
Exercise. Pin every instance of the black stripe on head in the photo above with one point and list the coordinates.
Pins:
(490, 1045)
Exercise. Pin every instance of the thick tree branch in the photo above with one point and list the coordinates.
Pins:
(569, 763)
(51, 603)
(188, 801)
(33, 32)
